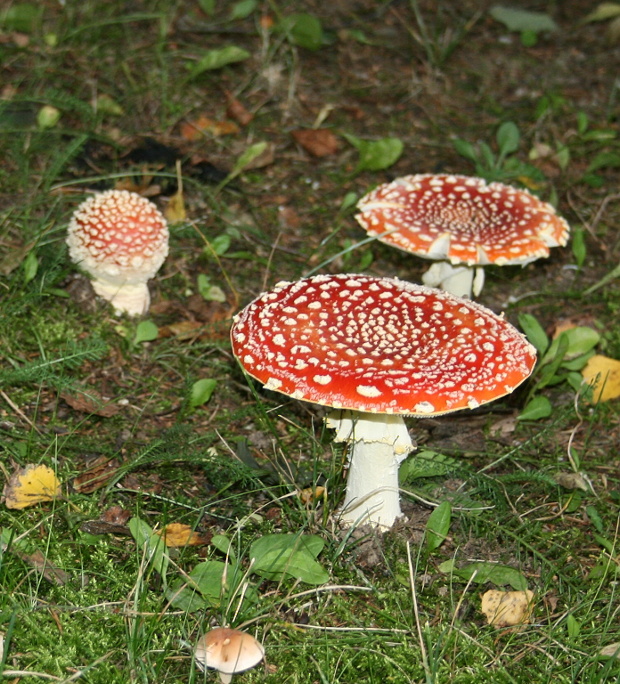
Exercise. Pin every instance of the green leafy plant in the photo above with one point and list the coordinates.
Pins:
(528, 24)
(218, 58)
(274, 557)
(482, 572)
(302, 29)
(606, 12)
(502, 165)
(375, 155)
(559, 361)
(438, 525)
(201, 391)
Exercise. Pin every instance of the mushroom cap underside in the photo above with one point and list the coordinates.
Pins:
(379, 345)
(462, 219)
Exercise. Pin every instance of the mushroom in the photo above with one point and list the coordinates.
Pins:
(120, 239)
(464, 222)
(375, 349)
(228, 651)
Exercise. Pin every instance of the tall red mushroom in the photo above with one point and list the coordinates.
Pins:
(375, 349)
(120, 239)
(465, 223)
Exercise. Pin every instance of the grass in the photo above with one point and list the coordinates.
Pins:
(76, 605)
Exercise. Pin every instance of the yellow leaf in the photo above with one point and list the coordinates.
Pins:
(604, 374)
(175, 211)
(31, 485)
(507, 608)
(176, 535)
(310, 494)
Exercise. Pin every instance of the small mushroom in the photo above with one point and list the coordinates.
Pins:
(228, 651)
(120, 239)
(375, 349)
(462, 222)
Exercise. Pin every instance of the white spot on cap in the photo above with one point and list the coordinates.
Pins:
(368, 391)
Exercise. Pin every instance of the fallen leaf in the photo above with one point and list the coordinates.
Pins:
(572, 481)
(237, 111)
(177, 535)
(90, 401)
(112, 521)
(31, 485)
(507, 608)
(196, 129)
(604, 374)
(41, 564)
(319, 142)
(175, 209)
(611, 651)
(97, 475)
(310, 494)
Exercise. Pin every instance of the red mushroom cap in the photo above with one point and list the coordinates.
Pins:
(462, 219)
(119, 237)
(379, 345)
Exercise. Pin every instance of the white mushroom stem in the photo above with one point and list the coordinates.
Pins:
(459, 279)
(130, 298)
(377, 446)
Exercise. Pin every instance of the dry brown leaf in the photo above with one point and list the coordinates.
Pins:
(237, 111)
(41, 564)
(90, 401)
(176, 535)
(319, 142)
(604, 374)
(507, 608)
(611, 651)
(572, 481)
(31, 485)
(97, 475)
(194, 130)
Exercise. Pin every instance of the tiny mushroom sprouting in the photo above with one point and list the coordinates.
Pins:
(463, 223)
(228, 651)
(120, 239)
(375, 349)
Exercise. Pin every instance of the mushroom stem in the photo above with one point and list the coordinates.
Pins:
(130, 298)
(225, 677)
(378, 445)
(459, 280)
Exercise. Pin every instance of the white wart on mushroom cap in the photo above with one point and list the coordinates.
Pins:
(379, 345)
(462, 220)
(121, 240)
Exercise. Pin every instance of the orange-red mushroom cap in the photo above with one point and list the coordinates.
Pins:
(119, 237)
(379, 345)
(462, 219)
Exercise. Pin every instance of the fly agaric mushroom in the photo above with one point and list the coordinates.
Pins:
(228, 651)
(120, 239)
(375, 349)
(465, 223)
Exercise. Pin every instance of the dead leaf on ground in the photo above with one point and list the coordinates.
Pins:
(611, 651)
(237, 111)
(319, 142)
(196, 129)
(572, 481)
(112, 521)
(98, 473)
(310, 494)
(90, 401)
(31, 485)
(176, 535)
(41, 564)
(507, 608)
(604, 374)
(175, 209)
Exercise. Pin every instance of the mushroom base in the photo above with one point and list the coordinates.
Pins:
(377, 446)
(130, 298)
